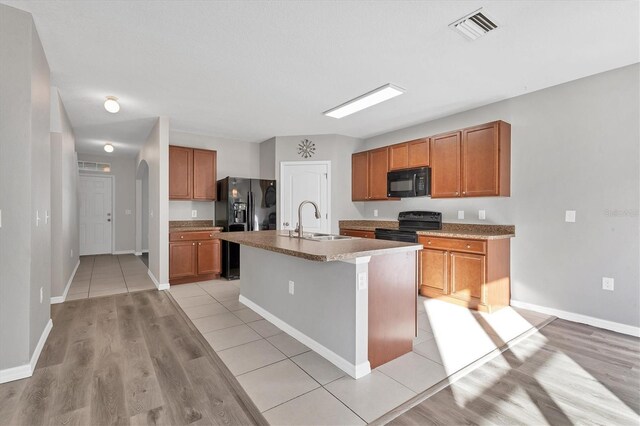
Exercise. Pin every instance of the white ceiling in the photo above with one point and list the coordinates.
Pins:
(249, 70)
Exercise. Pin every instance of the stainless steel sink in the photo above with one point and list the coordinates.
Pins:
(329, 238)
(312, 236)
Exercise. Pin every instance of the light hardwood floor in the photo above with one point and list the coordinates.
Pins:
(567, 373)
(124, 359)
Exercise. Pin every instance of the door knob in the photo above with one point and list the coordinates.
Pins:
(108, 220)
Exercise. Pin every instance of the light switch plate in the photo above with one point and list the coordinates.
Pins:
(482, 214)
(460, 214)
(194, 213)
(570, 216)
(127, 212)
(375, 213)
(291, 287)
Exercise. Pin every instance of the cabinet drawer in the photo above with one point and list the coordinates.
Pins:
(192, 236)
(357, 233)
(453, 244)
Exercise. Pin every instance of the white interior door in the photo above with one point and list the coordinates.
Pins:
(300, 181)
(96, 219)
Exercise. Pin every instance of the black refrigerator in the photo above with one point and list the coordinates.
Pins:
(243, 205)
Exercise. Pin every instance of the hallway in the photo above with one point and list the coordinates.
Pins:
(106, 275)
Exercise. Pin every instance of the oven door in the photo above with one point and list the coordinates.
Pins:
(409, 183)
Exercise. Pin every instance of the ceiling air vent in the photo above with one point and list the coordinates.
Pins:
(474, 25)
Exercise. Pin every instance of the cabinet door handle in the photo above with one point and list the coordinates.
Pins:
(193, 244)
(429, 242)
(199, 244)
(210, 235)
(457, 193)
(468, 245)
(463, 192)
(181, 236)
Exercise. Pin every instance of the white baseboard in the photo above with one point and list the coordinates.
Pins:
(26, 370)
(60, 299)
(145, 251)
(138, 253)
(124, 252)
(355, 371)
(584, 319)
(155, 281)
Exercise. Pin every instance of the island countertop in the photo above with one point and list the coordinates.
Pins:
(322, 251)
(470, 231)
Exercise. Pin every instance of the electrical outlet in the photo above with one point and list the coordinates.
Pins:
(607, 283)
(41, 294)
(460, 214)
(71, 255)
(291, 287)
(570, 216)
(482, 214)
(362, 281)
(127, 212)
(194, 213)
(375, 213)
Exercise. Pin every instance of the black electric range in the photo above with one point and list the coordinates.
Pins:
(408, 224)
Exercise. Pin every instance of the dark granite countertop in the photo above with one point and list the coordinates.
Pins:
(192, 226)
(449, 230)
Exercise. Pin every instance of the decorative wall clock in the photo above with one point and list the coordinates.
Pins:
(306, 148)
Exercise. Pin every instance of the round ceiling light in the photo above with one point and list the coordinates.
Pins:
(111, 104)
(108, 147)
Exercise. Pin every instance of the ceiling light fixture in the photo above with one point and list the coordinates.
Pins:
(108, 147)
(111, 104)
(374, 97)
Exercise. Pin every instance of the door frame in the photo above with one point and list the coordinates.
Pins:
(113, 208)
(283, 164)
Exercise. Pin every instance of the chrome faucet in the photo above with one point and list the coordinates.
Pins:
(299, 228)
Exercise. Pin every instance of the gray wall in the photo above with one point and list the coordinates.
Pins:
(574, 147)
(268, 159)
(25, 255)
(155, 153)
(124, 170)
(64, 198)
(234, 158)
(338, 150)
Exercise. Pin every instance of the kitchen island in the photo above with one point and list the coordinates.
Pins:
(353, 301)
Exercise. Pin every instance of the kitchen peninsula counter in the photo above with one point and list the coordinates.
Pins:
(353, 301)
(322, 251)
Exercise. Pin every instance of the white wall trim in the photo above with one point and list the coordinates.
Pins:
(155, 281)
(60, 299)
(124, 252)
(355, 371)
(139, 253)
(26, 370)
(584, 319)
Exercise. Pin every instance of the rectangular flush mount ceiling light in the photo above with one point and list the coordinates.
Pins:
(381, 94)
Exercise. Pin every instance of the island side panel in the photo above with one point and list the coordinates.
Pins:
(326, 306)
(392, 306)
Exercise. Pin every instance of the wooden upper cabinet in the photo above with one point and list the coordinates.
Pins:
(204, 174)
(192, 174)
(378, 168)
(180, 173)
(419, 153)
(409, 155)
(399, 156)
(486, 160)
(360, 176)
(445, 165)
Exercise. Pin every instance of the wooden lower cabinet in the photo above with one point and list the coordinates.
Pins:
(182, 259)
(192, 260)
(471, 273)
(209, 257)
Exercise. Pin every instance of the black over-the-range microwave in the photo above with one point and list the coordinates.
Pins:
(409, 183)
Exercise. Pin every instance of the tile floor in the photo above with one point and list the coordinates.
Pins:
(104, 275)
(290, 384)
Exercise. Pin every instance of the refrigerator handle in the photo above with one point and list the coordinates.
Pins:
(250, 211)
